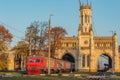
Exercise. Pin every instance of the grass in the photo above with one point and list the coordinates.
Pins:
(13, 72)
(46, 78)
(42, 78)
(113, 79)
(60, 77)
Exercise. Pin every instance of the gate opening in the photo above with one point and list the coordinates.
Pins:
(104, 63)
(69, 58)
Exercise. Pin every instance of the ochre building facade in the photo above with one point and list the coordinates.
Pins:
(86, 48)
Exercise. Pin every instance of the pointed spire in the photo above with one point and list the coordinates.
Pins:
(83, 2)
(90, 2)
(79, 3)
(87, 2)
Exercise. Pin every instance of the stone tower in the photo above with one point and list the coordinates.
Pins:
(85, 49)
(92, 47)
(85, 35)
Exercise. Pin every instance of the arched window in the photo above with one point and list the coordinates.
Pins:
(88, 60)
(83, 62)
(86, 19)
(66, 44)
(85, 29)
(82, 19)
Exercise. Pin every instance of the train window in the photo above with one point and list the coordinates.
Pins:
(30, 60)
(37, 60)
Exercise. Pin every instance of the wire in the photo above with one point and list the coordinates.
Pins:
(11, 27)
(17, 36)
(14, 41)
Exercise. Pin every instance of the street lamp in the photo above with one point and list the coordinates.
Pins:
(49, 43)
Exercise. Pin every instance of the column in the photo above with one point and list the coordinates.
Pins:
(81, 65)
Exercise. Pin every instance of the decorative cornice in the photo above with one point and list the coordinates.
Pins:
(85, 7)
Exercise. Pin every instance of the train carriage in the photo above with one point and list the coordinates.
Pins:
(39, 65)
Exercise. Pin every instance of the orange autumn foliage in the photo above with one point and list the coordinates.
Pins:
(5, 34)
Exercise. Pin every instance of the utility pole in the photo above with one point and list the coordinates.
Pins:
(35, 47)
(30, 43)
(49, 44)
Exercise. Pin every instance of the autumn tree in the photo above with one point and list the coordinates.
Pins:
(3, 54)
(3, 61)
(5, 38)
(56, 34)
(21, 52)
(5, 34)
(35, 35)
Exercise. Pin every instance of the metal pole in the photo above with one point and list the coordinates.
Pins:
(30, 43)
(49, 44)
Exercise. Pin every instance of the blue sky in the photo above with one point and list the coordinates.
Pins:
(16, 15)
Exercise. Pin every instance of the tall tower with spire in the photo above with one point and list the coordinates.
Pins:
(85, 16)
(85, 35)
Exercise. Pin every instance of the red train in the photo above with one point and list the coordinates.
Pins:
(39, 65)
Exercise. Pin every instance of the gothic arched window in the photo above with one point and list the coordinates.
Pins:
(83, 62)
(88, 60)
(86, 18)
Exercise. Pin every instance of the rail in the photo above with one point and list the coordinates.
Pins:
(98, 77)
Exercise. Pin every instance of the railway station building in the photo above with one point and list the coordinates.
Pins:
(85, 49)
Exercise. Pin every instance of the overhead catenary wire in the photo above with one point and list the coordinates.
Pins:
(12, 28)
(16, 38)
